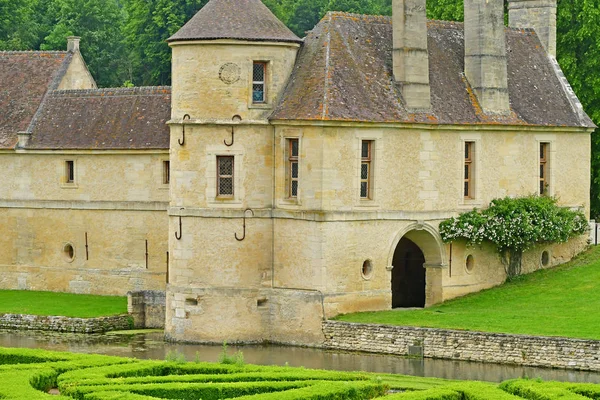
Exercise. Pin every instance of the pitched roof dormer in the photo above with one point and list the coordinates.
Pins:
(235, 19)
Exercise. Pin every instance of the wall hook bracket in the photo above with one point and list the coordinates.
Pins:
(236, 118)
(179, 235)
(244, 235)
(186, 117)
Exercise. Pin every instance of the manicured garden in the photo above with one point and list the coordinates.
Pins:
(563, 301)
(60, 304)
(32, 374)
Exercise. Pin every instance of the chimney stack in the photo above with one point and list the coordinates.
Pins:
(485, 54)
(73, 44)
(537, 14)
(410, 55)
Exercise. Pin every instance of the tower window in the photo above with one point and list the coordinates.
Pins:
(366, 169)
(544, 167)
(70, 171)
(468, 181)
(293, 166)
(259, 76)
(225, 166)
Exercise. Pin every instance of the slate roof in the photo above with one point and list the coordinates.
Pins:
(344, 72)
(106, 119)
(25, 78)
(235, 19)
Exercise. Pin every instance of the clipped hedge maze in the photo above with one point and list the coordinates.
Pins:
(32, 374)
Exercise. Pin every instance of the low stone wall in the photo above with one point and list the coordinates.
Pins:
(147, 307)
(65, 324)
(464, 345)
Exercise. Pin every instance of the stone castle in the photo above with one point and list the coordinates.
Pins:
(281, 181)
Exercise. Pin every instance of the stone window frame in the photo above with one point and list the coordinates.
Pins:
(290, 159)
(376, 139)
(65, 182)
(476, 170)
(369, 161)
(268, 101)
(211, 177)
(281, 178)
(162, 173)
(550, 141)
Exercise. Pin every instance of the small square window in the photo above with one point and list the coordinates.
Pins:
(69, 171)
(225, 169)
(166, 172)
(259, 78)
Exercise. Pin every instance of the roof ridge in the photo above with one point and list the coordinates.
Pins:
(10, 52)
(123, 91)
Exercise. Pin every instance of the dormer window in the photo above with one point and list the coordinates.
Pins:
(259, 77)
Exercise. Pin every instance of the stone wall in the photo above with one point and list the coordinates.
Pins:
(147, 308)
(464, 346)
(65, 324)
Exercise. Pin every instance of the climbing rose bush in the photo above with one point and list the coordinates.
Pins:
(516, 225)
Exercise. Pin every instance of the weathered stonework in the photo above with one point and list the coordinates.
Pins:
(465, 346)
(65, 324)
(147, 308)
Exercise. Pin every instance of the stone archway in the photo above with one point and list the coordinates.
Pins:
(417, 259)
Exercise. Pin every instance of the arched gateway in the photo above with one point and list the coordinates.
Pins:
(417, 258)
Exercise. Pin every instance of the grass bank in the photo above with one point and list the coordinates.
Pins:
(563, 301)
(60, 304)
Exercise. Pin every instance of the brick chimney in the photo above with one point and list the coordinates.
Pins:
(410, 56)
(73, 44)
(485, 54)
(537, 14)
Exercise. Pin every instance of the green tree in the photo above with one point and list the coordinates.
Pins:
(16, 20)
(149, 24)
(99, 24)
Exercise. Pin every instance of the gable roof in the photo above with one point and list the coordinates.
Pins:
(235, 19)
(104, 119)
(344, 72)
(25, 79)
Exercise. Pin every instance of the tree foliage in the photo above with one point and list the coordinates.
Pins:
(515, 226)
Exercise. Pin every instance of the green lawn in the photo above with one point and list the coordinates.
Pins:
(60, 304)
(564, 301)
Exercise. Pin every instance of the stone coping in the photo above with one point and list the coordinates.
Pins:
(65, 324)
(500, 348)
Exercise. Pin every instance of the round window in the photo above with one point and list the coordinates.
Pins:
(69, 252)
(367, 269)
(470, 263)
(545, 258)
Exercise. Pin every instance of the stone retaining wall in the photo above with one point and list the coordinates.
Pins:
(65, 324)
(147, 308)
(463, 345)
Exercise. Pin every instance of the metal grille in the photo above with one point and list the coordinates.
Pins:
(365, 152)
(364, 171)
(258, 82)
(225, 175)
(364, 190)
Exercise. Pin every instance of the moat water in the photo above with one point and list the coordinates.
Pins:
(150, 345)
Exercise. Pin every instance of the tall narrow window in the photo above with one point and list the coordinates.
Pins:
(70, 171)
(468, 182)
(366, 169)
(166, 172)
(225, 176)
(293, 165)
(259, 77)
(544, 157)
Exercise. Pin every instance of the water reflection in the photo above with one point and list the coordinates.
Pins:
(151, 346)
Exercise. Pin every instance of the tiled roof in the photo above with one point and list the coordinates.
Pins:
(235, 19)
(344, 72)
(104, 119)
(25, 77)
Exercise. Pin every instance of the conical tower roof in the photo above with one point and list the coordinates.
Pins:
(235, 19)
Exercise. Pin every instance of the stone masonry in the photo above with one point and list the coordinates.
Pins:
(65, 324)
(498, 348)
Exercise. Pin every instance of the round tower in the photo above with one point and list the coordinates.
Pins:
(231, 63)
